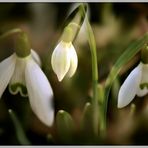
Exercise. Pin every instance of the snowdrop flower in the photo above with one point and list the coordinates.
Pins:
(64, 60)
(24, 76)
(135, 84)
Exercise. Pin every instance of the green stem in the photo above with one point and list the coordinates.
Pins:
(92, 44)
(72, 29)
(10, 32)
(22, 45)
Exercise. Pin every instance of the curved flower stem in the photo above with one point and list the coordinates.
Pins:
(92, 44)
(10, 32)
(22, 45)
(71, 30)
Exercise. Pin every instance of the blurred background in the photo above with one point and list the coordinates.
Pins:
(115, 26)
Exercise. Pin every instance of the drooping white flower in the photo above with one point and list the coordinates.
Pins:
(135, 84)
(25, 76)
(64, 60)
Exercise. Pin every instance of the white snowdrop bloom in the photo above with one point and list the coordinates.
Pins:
(64, 60)
(24, 75)
(135, 84)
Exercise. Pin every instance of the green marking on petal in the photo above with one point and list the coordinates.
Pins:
(143, 85)
(18, 88)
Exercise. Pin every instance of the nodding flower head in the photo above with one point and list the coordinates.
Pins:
(64, 60)
(135, 84)
(24, 76)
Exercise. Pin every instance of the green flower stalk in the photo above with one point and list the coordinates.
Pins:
(93, 49)
(9, 33)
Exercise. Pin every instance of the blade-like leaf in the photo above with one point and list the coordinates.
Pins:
(18, 128)
(129, 53)
(87, 118)
(65, 126)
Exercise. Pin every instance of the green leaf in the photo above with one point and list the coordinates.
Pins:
(18, 128)
(100, 93)
(65, 126)
(128, 54)
(115, 89)
(87, 119)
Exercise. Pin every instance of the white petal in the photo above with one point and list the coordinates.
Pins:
(144, 81)
(6, 71)
(73, 61)
(36, 57)
(128, 89)
(60, 59)
(17, 82)
(40, 93)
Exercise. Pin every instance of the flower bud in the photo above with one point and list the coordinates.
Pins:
(64, 60)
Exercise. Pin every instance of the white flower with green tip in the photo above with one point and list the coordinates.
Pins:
(24, 75)
(64, 60)
(135, 84)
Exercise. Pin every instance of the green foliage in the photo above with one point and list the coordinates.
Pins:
(65, 126)
(87, 118)
(18, 128)
(128, 54)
